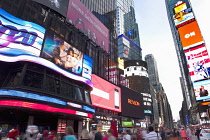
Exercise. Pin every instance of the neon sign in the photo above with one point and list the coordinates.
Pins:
(42, 107)
(31, 96)
(130, 101)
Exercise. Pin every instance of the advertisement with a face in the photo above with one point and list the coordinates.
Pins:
(22, 41)
(134, 100)
(198, 63)
(190, 35)
(62, 54)
(105, 94)
(19, 37)
(59, 6)
(202, 90)
(82, 18)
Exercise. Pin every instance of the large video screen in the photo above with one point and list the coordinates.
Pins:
(59, 6)
(82, 18)
(19, 37)
(202, 90)
(198, 63)
(66, 56)
(105, 94)
(190, 35)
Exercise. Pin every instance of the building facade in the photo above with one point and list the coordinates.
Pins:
(189, 43)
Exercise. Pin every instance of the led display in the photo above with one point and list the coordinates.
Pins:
(190, 35)
(82, 18)
(105, 94)
(31, 96)
(66, 56)
(202, 90)
(19, 37)
(43, 107)
(198, 63)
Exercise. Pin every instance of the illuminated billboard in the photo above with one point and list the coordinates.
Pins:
(105, 94)
(82, 18)
(19, 37)
(22, 41)
(134, 100)
(66, 56)
(198, 63)
(59, 6)
(190, 35)
(202, 90)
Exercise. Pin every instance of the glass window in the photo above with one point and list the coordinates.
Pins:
(33, 79)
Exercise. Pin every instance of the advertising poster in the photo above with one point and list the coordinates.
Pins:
(202, 90)
(82, 18)
(198, 63)
(190, 35)
(134, 100)
(19, 37)
(59, 6)
(62, 54)
(105, 94)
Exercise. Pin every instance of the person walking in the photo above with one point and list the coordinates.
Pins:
(110, 135)
(13, 134)
(126, 135)
(85, 135)
(69, 133)
(189, 133)
(4, 135)
(183, 134)
(144, 133)
(152, 135)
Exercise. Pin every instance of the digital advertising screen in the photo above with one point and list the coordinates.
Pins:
(19, 37)
(190, 35)
(82, 18)
(22, 41)
(198, 63)
(183, 17)
(105, 94)
(66, 56)
(202, 90)
(134, 100)
(62, 54)
(59, 6)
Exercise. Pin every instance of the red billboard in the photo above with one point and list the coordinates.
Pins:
(105, 94)
(82, 18)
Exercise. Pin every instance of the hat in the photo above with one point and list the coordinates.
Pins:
(4, 133)
(13, 133)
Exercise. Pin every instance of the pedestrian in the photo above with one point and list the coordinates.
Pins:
(69, 133)
(4, 135)
(162, 133)
(92, 134)
(197, 132)
(98, 136)
(144, 133)
(189, 133)
(52, 135)
(183, 134)
(110, 135)
(13, 134)
(126, 135)
(152, 135)
(85, 135)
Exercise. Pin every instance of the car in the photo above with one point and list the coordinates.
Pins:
(205, 134)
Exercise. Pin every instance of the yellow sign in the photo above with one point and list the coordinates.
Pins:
(120, 63)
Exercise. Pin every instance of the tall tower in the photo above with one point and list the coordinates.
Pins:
(153, 71)
(191, 53)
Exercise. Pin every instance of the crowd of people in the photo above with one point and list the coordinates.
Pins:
(32, 133)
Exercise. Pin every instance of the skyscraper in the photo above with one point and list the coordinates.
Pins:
(191, 52)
